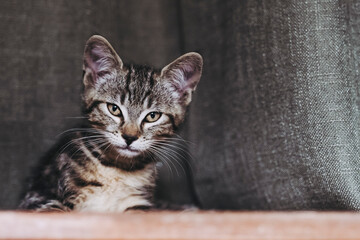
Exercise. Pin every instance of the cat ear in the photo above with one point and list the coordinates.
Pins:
(100, 59)
(184, 73)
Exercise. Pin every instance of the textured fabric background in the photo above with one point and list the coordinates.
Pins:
(276, 118)
(274, 123)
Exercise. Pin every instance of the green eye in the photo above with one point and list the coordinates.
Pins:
(152, 117)
(114, 109)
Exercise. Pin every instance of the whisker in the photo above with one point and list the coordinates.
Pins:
(86, 130)
(177, 137)
(172, 139)
(175, 148)
(180, 150)
(104, 152)
(165, 156)
(184, 140)
(160, 157)
(174, 155)
(80, 139)
(75, 143)
(169, 148)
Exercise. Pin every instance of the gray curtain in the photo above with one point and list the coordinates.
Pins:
(275, 120)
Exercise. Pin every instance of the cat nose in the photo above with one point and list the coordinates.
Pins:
(129, 139)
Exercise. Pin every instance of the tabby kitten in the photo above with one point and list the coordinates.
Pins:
(131, 112)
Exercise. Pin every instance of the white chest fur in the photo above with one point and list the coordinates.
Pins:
(119, 191)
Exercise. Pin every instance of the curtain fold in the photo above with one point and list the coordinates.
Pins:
(276, 118)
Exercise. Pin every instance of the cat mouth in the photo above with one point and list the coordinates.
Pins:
(129, 151)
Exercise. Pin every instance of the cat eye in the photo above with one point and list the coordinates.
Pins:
(152, 117)
(114, 109)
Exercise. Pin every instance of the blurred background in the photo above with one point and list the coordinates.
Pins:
(274, 124)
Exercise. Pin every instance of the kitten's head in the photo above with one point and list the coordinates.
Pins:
(133, 106)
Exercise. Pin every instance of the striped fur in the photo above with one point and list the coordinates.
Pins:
(108, 164)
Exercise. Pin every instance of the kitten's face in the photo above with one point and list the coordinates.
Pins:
(135, 107)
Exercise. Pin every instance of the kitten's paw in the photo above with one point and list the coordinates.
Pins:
(139, 208)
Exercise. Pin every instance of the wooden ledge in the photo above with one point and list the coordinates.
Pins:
(181, 225)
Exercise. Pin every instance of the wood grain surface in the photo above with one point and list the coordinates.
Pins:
(181, 225)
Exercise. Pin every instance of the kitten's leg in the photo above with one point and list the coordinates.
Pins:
(35, 201)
